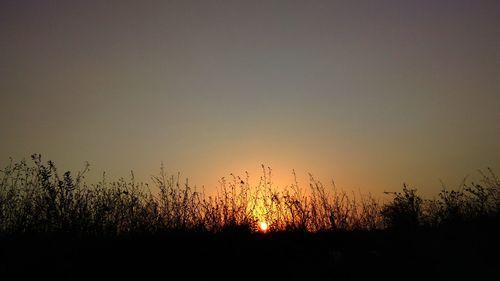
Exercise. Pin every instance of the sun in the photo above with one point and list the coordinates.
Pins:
(263, 226)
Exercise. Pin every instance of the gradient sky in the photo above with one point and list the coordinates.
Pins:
(369, 93)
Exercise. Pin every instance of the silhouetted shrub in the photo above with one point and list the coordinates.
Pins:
(36, 199)
(405, 211)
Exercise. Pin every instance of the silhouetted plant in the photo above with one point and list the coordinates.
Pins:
(36, 199)
(405, 211)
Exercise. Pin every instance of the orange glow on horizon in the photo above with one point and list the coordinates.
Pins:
(263, 226)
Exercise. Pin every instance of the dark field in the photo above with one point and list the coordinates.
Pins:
(59, 226)
(464, 255)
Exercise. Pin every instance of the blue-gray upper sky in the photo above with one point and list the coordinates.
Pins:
(369, 93)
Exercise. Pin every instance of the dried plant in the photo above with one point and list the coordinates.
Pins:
(34, 198)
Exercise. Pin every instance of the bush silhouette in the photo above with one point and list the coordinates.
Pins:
(405, 211)
(34, 198)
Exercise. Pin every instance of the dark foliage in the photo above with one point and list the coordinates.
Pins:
(62, 226)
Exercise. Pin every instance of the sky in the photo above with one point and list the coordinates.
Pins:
(369, 94)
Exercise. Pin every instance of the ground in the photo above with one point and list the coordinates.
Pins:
(403, 255)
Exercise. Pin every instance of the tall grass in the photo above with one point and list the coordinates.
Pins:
(36, 198)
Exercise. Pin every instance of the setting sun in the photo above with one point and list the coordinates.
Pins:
(263, 226)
